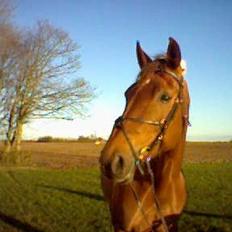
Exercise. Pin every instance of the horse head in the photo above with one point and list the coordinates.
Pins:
(154, 119)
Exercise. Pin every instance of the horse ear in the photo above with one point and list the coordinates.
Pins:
(173, 53)
(142, 57)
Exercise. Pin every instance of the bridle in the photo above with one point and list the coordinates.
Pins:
(162, 124)
(143, 156)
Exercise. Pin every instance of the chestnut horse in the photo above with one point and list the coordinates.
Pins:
(141, 162)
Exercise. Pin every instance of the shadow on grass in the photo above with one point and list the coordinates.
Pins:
(201, 214)
(18, 224)
(195, 221)
(80, 193)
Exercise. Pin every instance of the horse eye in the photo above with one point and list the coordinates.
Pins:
(165, 98)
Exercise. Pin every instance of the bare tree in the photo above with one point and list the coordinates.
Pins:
(8, 46)
(6, 10)
(8, 68)
(7, 33)
(44, 83)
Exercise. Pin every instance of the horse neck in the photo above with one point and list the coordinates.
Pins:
(126, 213)
(169, 164)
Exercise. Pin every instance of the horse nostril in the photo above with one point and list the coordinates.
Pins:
(114, 166)
(118, 165)
(107, 170)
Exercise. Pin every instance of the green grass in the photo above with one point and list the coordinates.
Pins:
(43, 200)
(209, 206)
(71, 200)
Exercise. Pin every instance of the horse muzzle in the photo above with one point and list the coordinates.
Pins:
(120, 168)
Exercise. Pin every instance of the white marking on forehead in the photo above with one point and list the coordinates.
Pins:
(183, 65)
(147, 81)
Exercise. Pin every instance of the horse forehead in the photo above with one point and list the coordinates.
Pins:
(156, 81)
(149, 76)
(147, 88)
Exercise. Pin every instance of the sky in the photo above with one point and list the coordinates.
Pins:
(107, 31)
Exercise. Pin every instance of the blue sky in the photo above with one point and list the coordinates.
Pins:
(107, 32)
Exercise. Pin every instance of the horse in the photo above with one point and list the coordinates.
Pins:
(141, 163)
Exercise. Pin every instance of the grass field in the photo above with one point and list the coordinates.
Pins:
(44, 199)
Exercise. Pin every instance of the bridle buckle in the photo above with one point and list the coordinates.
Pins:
(160, 138)
(144, 152)
(118, 121)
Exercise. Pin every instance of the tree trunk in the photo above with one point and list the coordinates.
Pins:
(9, 138)
(10, 130)
(14, 138)
(18, 136)
(7, 147)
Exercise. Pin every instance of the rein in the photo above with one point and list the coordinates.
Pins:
(143, 156)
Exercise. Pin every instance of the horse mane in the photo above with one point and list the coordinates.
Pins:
(161, 57)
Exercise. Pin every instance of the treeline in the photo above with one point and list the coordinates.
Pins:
(84, 139)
